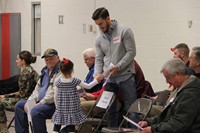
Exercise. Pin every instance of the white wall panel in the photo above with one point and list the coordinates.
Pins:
(158, 25)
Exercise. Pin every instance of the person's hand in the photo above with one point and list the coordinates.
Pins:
(88, 96)
(147, 130)
(99, 77)
(38, 104)
(25, 108)
(2, 96)
(114, 70)
(143, 124)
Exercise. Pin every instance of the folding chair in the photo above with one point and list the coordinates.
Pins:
(13, 118)
(9, 85)
(162, 98)
(140, 108)
(9, 125)
(97, 114)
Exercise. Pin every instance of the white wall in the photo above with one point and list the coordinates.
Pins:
(158, 25)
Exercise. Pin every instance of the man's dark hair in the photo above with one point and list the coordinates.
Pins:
(100, 13)
(183, 47)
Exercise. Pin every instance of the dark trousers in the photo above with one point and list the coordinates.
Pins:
(127, 89)
(39, 115)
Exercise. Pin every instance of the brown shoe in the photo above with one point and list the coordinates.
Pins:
(3, 128)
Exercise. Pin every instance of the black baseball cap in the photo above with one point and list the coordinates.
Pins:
(49, 53)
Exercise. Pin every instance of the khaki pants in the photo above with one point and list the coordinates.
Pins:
(86, 105)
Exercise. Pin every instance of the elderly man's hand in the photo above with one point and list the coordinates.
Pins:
(147, 130)
(88, 96)
(99, 77)
(142, 124)
(114, 70)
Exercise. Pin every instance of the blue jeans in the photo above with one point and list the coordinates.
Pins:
(39, 115)
(129, 95)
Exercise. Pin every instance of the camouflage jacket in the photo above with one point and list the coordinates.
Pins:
(27, 80)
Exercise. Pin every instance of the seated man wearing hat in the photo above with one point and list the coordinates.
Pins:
(43, 96)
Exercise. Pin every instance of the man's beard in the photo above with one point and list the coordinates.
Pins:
(107, 27)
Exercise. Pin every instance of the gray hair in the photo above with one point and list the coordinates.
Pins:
(174, 65)
(197, 52)
(90, 52)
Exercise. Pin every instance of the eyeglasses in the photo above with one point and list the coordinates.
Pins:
(87, 59)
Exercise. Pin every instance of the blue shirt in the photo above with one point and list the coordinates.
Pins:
(89, 78)
(44, 85)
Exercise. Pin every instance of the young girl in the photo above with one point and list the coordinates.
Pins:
(68, 108)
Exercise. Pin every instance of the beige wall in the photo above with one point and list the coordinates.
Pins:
(158, 25)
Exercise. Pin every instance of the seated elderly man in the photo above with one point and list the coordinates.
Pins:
(143, 88)
(195, 61)
(89, 59)
(181, 114)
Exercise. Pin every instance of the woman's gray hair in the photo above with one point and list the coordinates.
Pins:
(90, 52)
(174, 65)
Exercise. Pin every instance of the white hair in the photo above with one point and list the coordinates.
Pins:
(90, 52)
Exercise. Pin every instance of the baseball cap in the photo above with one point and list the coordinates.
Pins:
(49, 53)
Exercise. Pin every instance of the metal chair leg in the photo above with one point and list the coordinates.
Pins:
(9, 125)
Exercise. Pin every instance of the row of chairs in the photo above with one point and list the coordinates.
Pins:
(7, 86)
(96, 118)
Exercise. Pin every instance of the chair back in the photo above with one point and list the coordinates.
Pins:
(9, 85)
(97, 114)
(141, 107)
(162, 98)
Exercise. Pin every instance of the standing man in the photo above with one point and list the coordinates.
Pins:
(181, 113)
(89, 58)
(195, 61)
(115, 45)
(43, 96)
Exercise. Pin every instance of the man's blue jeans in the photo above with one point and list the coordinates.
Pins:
(128, 91)
(39, 115)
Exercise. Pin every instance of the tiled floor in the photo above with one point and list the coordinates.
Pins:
(12, 128)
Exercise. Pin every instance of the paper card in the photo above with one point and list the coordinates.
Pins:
(105, 99)
(30, 104)
(107, 72)
(106, 80)
(81, 92)
(132, 122)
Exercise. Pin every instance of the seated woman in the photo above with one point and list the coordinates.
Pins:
(27, 81)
